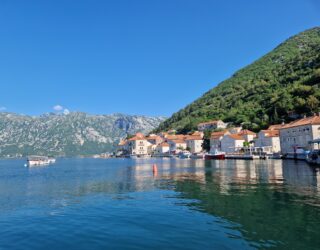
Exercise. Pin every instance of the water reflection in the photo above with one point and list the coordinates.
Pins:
(268, 202)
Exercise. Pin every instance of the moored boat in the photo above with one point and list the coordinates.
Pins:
(184, 154)
(215, 155)
(197, 156)
(314, 157)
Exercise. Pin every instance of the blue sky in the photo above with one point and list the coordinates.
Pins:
(149, 57)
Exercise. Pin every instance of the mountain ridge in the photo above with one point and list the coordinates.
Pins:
(76, 133)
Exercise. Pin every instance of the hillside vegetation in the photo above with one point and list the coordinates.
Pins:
(282, 84)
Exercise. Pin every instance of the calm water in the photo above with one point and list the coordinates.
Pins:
(190, 204)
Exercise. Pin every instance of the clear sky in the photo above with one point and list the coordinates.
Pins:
(149, 57)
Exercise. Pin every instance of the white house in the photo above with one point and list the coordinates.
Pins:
(268, 141)
(211, 125)
(299, 133)
(177, 145)
(138, 145)
(247, 135)
(194, 143)
(215, 140)
(154, 139)
(231, 143)
(162, 148)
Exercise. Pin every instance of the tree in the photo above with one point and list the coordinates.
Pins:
(206, 140)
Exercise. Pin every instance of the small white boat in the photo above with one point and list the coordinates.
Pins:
(184, 154)
(52, 160)
(133, 156)
(35, 160)
(197, 156)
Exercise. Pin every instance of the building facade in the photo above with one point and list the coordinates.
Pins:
(232, 143)
(298, 134)
(177, 145)
(211, 125)
(194, 143)
(138, 145)
(215, 140)
(162, 149)
(268, 141)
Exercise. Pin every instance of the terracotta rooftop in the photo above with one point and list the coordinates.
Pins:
(175, 137)
(236, 137)
(164, 144)
(198, 133)
(138, 136)
(275, 126)
(153, 137)
(217, 135)
(271, 133)
(311, 120)
(193, 137)
(246, 132)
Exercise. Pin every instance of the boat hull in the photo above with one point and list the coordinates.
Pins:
(215, 157)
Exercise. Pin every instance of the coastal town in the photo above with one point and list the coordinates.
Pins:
(298, 139)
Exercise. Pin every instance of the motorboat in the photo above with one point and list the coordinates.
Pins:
(35, 160)
(314, 157)
(184, 154)
(215, 155)
(197, 156)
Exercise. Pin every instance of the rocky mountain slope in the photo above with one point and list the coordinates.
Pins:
(68, 135)
(282, 85)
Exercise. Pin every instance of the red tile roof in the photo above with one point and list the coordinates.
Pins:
(198, 133)
(153, 137)
(175, 137)
(138, 136)
(217, 135)
(246, 132)
(275, 126)
(236, 137)
(312, 120)
(271, 133)
(193, 137)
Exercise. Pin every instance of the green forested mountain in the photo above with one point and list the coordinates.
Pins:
(282, 84)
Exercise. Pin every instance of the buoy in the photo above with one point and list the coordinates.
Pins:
(154, 168)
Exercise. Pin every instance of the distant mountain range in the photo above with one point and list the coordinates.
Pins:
(68, 135)
(282, 85)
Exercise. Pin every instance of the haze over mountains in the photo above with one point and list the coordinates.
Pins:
(282, 85)
(72, 134)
